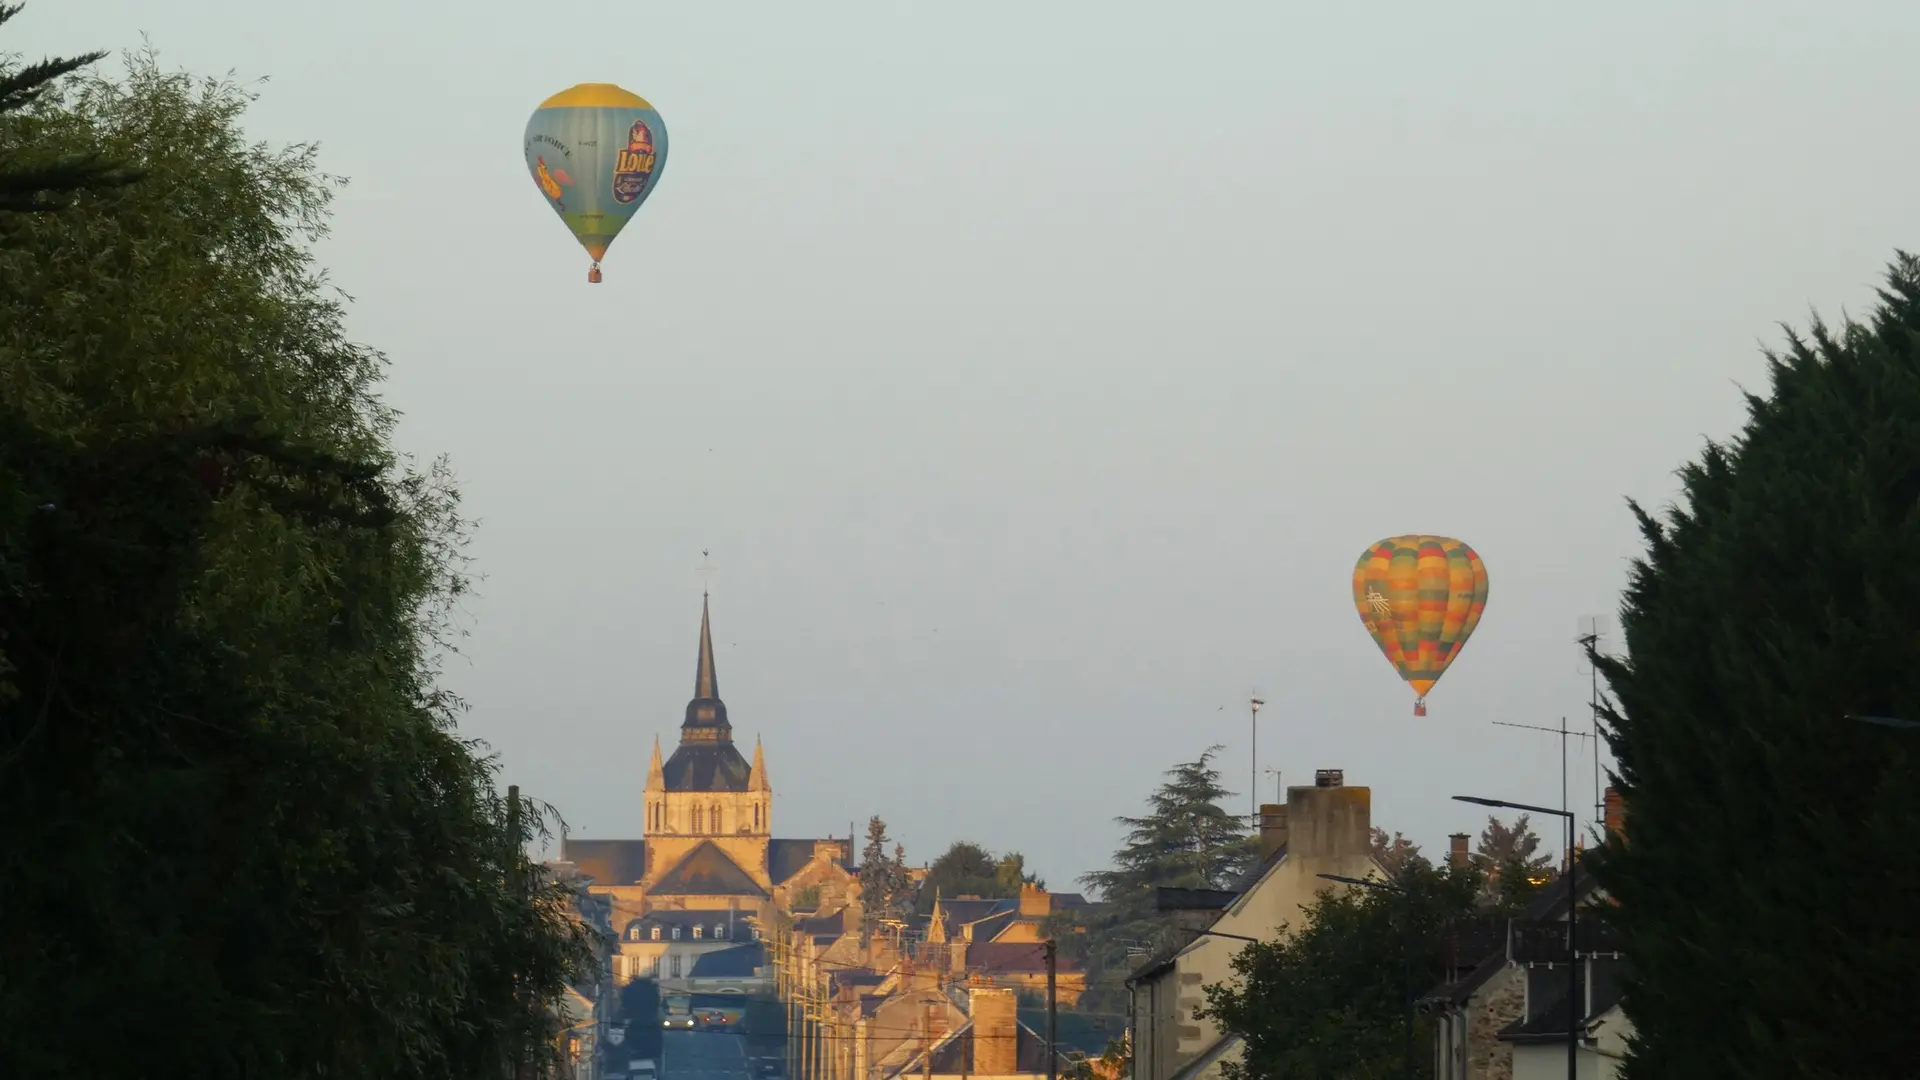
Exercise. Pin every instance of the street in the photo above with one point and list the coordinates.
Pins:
(703, 1055)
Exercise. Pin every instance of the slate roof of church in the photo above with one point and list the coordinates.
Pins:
(706, 871)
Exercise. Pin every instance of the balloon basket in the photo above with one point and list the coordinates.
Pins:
(593, 274)
(1420, 707)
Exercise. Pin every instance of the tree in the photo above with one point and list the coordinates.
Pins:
(1396, 853)
(1764, 887)
(240, 820)
(967, 869)
(32, 180)
(886, 891)
(1515, 870)
(1330, 999)
(1185, 840)
(1010, 875)
(964, 869)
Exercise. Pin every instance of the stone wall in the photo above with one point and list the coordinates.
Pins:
(1497, 1004)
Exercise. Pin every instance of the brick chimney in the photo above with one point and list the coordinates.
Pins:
(996, 1031)
(1273, 829)
(1458, 855)
(1616, 814)
(1035, 902)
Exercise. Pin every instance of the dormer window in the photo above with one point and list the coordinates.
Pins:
(719, 930)
(676, 933)
(633, 933)
(696, 931)
(656, 933)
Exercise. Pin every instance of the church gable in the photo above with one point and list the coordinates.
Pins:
(706, 871)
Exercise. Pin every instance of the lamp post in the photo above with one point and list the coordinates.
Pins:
(1406, 951)
(1893, 722)
(1573, 906)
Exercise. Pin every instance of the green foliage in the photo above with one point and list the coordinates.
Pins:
(886, 890)
(967, 869)
(34, 178)
(1010, 875)
(1395, 853)
(964, 869)
(1185, 840)
(240, 822)
(807, 899)
(764, 1020)
(1516, 870)
(1765, 890)
(1331, 998)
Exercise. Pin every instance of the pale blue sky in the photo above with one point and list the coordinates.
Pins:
(1036, 371)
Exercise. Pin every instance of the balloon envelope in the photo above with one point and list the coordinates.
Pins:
(596, 152)
(1420, 598)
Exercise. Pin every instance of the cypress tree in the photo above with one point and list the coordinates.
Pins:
(1766, 884)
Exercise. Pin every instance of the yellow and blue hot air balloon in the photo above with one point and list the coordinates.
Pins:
(596, 151)
(1420, 598)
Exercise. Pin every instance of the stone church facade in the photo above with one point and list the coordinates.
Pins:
(707, 872)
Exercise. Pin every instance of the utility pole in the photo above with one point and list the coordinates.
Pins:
(1053, 1003)
(1253, 751)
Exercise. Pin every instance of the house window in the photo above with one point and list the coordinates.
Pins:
(656, 933)
(719, 930)
(756, 933)
(676, 933)
(653, 968)
(696, 930)
(676, 965)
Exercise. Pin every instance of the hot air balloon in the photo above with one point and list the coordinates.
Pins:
(596, 151)
(1420, 597)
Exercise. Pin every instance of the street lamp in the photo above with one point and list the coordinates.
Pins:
(1573, 906)
(1406, 952)
(1889, 722)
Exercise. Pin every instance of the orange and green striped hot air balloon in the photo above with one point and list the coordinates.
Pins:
(1420, 597)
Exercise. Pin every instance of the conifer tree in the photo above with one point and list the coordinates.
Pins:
(1184, 840)
(1765, 884)
(35, 182)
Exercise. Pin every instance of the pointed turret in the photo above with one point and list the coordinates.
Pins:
(757, 776)
(656, 772)
(937, 921)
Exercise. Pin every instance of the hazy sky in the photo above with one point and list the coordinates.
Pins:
(1036, 372)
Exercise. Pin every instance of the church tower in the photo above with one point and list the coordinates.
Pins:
(707, 789)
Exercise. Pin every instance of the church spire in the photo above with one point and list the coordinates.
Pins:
(656, 773)
(757, 778)
(706, 716)
(706, 683)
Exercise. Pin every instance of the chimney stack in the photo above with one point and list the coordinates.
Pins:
(1329, 820)
(996, 1030)
(1616, 814)
(1273, 830)
(1035, 902)
(1458, 856)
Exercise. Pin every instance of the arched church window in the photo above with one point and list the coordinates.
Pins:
(715, 818)
(698, 816)
(696, 930)
(656, 933)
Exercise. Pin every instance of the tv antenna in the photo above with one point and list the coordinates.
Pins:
(1593, 630)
